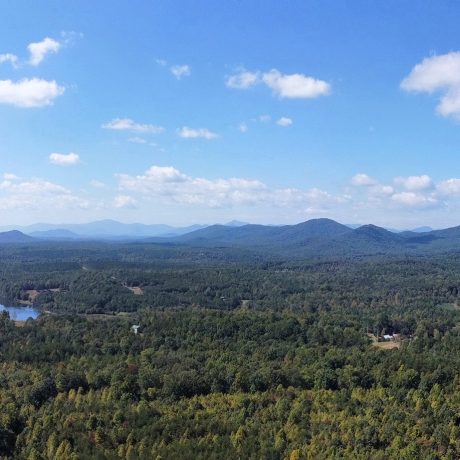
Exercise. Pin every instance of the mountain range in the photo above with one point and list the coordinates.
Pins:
(113, 230)
(102, 229)
(313, 238)
(318, 237)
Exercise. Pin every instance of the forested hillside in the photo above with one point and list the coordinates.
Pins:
(207, 384)
(239, 354)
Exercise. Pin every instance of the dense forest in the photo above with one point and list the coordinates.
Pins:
(238, 355)
(99, 278)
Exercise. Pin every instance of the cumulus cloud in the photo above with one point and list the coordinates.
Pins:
(284, 121)
(36, 193)
(413, 199)
(34, 186)
(33, 92)
(64, 159)
(172, 185)
(8, 57)
(295, 86)
(124, 202)
(362, 179)
(191, 133)
(438, 74)
(127, 124)
(414, 183)
(411, 192)
(449, 187)
(381, 189)
(180, 71)
(243, 80)
(290, 86)
(374, 190)
(10, 177)
(39, 50)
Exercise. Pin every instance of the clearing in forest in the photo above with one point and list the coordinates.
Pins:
(385, 344)
(136, 290)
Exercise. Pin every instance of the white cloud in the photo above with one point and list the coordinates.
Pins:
(63, 159)
(37, 186)
(412, 191)
(180, 71)
(124, 202)
(414, 183)
(39, 50)
(375, 191)
(450, 104)
(413, 199)
(37, 194)
(362, 179)
(438, 73)
(434, 73)
(171, 185)
(10, 177)
(190, 133)
(381, 189)
(32, 92)
(8, 57)
(290, 86)
(295, 86)
(243, 80)
(127, 124)
(449, 187)
(284, 121)
(264, 118)
(165, 174)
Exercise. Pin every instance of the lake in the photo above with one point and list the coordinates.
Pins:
(20, 313)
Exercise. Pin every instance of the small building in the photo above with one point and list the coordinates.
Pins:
(135, 328)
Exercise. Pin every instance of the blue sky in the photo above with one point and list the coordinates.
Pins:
(200, 111)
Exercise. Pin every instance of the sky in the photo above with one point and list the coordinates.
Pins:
(196, 111)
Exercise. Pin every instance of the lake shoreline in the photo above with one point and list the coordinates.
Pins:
(21, 313)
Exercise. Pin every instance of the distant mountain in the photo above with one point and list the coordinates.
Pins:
(390, 229)
(316, 228)
(58, 234)
(103, 229)
(372, 233)
(321, 237)
(14, 236)
(451, 233)
(314, 238)
(176, 231)
(264, 235)
(236, 223)
(424, 229)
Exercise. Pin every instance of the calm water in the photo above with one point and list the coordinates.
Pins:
(20, 313)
